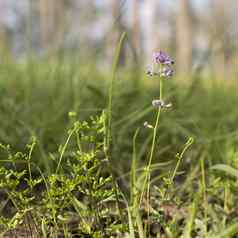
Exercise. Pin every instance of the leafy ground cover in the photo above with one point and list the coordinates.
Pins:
(65, 174)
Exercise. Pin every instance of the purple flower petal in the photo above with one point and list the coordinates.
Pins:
(149, 71)
(167, 72)
(162, 58)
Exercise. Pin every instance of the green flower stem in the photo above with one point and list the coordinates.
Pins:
(147, 175)
(62, 151)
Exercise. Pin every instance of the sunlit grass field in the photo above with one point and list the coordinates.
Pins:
(60, 177)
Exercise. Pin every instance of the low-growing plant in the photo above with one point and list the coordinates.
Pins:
(77, 192)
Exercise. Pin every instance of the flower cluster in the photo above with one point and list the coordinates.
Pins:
(165, 62)
(162, 58)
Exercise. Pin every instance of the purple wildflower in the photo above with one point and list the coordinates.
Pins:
(167, 72)
(162, 58)
(149, 71)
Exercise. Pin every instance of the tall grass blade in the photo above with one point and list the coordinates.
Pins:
(110, 92)
(131, 227)
(44, 229)
(139, 224)
(190, 220)
(133, 169)
(109, 114)
(229, 232)
(227, 169)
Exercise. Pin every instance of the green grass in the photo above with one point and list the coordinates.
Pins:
(190, 194)
(36, 97)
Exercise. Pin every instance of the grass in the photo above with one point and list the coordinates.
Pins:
(54, 174)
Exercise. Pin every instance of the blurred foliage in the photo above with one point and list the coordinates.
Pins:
(36, 97)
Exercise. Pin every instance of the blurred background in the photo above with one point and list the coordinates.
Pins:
(198, 33)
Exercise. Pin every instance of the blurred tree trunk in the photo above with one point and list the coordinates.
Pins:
(220, 38)
(118, 29)
(184, 38)
(46, 23)
(3, 31)
(136, 30)
(60, 23)
(29, 27)
(150, 29)
(3, 37)
(52, 24)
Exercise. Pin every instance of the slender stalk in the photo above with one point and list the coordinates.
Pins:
(64, 148)
(180, 156)
(226, 197)
(204, 187)
(28, 160)
(53, 212)
(155, 129)
(107, 140)
(191, 217)
(133, 169)
(110, 91)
